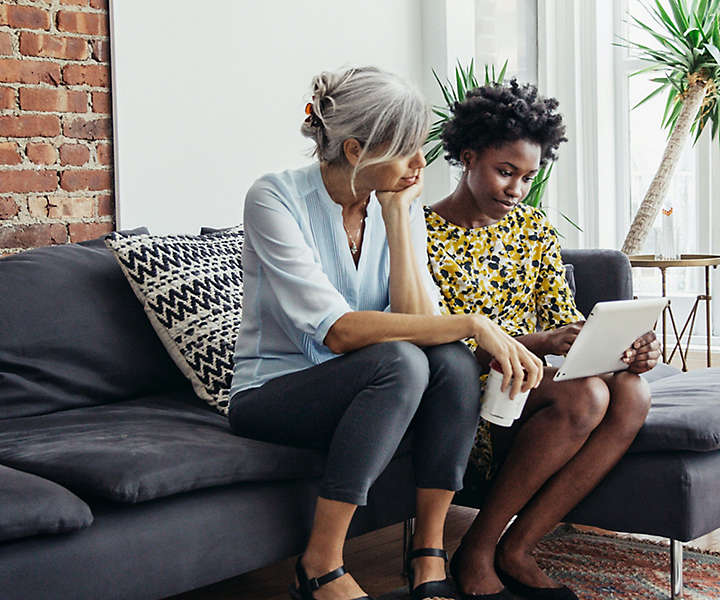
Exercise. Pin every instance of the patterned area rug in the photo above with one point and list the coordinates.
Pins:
(599, 567)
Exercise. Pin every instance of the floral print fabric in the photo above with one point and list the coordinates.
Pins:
(511, 272)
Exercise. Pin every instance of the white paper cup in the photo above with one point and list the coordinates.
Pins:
(497, 406)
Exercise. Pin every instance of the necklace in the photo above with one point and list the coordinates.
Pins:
(353, 244)
(352, 238)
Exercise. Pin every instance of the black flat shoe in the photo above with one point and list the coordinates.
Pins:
(307, 585)
(533, 593)
(503, 594)
(429, 589)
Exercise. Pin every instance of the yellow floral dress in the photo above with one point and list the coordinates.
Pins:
(510, 271)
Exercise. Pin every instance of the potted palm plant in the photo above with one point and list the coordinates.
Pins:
(687, 57)
(465, 79)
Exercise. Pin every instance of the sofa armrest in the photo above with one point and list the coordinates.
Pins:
(600, 275)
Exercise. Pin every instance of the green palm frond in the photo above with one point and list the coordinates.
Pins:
(537, 189)
(465, 80)
(686, 51)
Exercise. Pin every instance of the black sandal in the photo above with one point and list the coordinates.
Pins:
(429, 589)
(503, 594)
(307, 585)
(533, 593)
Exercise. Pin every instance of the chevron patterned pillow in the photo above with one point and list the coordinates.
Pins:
(191, 288)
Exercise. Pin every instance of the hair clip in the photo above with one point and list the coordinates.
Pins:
(313, 120)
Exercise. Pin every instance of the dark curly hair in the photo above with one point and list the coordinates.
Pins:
(495, 114)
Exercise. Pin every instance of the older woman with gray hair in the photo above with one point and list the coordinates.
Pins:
(342, 347)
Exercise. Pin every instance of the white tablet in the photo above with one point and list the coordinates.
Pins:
(610, 329)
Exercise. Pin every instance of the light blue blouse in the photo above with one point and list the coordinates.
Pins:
(300, 277)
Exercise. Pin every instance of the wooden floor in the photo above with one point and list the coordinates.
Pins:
(374, 558)
(697, 359)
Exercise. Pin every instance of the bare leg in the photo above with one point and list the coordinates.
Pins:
(629, 405)
(431, 510)
(324, 551)
(557, 420)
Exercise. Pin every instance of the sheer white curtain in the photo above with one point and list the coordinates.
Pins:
(507, 30)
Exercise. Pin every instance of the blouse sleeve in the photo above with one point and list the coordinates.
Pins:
(304, 292)
(554, 300)
(419, 235)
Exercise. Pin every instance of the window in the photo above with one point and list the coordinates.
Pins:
(613, 151)
(639, 154)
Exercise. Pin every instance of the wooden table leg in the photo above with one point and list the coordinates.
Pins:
(664, 333)
(707, 313)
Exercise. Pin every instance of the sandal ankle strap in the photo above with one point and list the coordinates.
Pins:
(439, 552)
(315, 583)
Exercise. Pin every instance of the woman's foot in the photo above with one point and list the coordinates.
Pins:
(520, 564)
(342, 588)
(475, 575)
(427, 569)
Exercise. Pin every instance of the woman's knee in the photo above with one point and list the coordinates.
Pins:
(455, 379)
(583, 404)
(454, 364)
(405, 364)
(629, 402)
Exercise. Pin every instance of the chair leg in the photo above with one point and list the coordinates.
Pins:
(676, 570)
(408, 530)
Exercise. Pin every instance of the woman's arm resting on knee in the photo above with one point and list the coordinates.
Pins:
(358, 329)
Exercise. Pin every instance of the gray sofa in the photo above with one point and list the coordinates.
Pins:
(116, 481)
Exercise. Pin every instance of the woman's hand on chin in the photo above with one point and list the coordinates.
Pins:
(516, 361)
(403, 197)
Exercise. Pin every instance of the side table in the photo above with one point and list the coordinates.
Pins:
(685, 260)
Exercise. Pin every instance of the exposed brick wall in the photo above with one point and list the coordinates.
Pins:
(56, 176)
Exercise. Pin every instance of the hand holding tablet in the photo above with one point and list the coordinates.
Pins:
(644, 354)
(610, 330)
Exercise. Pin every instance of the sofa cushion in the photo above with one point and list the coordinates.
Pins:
(191, 289)
(599, 275)
(570, 277)
(660, 371)
(99, 242)
(146, 448)
(211, 230)
(34, 506)
(72, 334)
(685, 413)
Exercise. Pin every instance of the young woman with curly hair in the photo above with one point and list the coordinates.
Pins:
(491, 254)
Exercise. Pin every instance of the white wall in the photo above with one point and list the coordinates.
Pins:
(208, 98)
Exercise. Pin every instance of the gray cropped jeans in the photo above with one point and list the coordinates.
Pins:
(357, 408)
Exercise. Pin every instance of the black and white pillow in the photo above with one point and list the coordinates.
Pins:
(191, 288)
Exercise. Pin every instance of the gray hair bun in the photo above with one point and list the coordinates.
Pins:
(370, 105)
